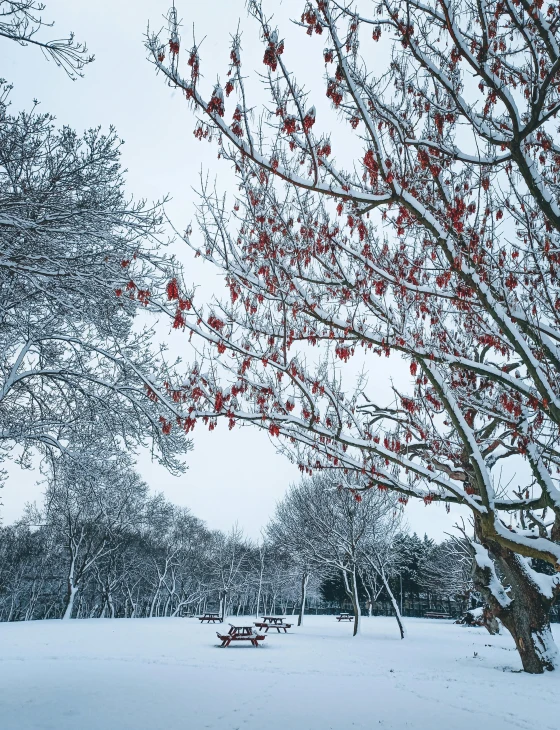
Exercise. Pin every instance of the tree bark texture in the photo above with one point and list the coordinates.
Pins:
(526, 616)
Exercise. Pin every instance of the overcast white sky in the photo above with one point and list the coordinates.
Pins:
(232, 476)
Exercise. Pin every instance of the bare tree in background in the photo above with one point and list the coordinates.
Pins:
(288, 530)
(91, 502)
(227, 562)
(333, 526)
(448, 570)
(380, 554)
(174, 547)
(104, 545)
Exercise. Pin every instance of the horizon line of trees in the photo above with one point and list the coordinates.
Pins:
(100, 545)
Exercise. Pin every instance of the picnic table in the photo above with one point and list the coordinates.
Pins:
(273, 622)
(345, 617)
(240, 633)
(436, 614)
(210, 618)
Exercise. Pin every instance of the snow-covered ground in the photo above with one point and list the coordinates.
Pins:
(169, 674)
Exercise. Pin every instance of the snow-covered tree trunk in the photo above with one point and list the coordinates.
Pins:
(71, 594)
(351, 588)
(524, 608)
(154, 602)
(71, 586)
(304, 582)
(356, 603)
(258, 603)
(223, 605)
(369, 602)
(394, 603)
(132, 604)
(110, 603)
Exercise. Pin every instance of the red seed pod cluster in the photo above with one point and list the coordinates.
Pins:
(309, 119)
(273, 51)
(172, 290)
(216, 103)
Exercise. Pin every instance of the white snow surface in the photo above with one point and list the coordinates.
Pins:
(169, 674)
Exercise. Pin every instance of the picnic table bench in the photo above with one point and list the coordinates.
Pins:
(436, 614)
(345, 617)
(240, 633)
(273, 619)
(210, 618)
(273, 622)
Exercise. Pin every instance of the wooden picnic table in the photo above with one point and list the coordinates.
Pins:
(241, 630)
(345, 617)
(273, 622)
(273, 619)
(210, 618)
(436, 614)
(240, 633)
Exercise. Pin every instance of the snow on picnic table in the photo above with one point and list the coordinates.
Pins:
(169, 674)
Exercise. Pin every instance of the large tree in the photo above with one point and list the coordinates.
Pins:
(437, 240)
(78, 263)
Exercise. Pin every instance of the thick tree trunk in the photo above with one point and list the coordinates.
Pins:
(304, 581)
(524, 610)
(71, 593)
(528, 619)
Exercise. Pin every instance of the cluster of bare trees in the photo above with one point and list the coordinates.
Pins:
(329, 527)
(418, 218)
(101, 546)
(82, 268)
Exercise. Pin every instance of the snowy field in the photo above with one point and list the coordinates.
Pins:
(169, 674)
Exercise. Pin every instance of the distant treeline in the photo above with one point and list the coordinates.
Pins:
(101, 546)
